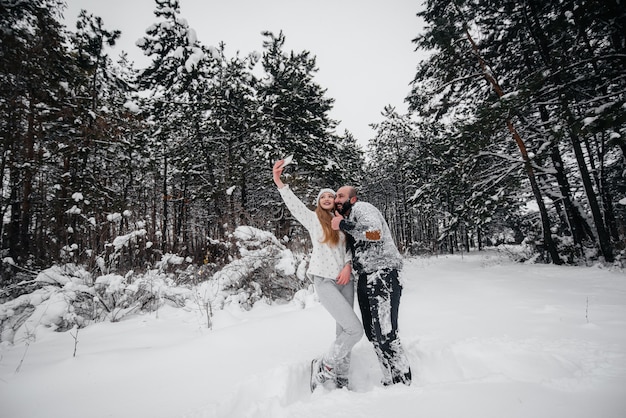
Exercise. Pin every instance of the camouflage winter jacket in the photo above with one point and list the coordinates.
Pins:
(370, 239)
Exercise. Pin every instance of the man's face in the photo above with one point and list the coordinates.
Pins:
(341, 198)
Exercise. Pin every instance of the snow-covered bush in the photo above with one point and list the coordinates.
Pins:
(69, 296)
(524, 252)
(55, 304)
(118, 296)
(265, 269)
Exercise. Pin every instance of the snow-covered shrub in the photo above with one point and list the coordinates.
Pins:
(118, 296)
(58, 303)
(69, 297)
(524, 252)
(266, 269)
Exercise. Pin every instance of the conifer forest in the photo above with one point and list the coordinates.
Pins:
(515, 135)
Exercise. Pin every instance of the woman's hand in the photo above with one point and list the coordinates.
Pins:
(276, 172)
(344, 275)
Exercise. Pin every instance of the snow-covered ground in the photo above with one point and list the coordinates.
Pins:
(486, 338)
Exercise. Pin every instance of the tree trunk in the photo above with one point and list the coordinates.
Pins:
(599, 176)
(27, 179)
(580, 229)
(544, 50)
(164, 221)
(604, 240)
(543, 213)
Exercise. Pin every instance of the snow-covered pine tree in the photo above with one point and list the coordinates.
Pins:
(35, 74)
(391, 153)
(230, 140)
(561, 70)
(295, 121)
(172, 80)
(557, 90)
(295, 117)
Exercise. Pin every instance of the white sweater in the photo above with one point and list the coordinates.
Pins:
(326, 261)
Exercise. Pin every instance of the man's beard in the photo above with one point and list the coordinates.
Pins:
(345, 208)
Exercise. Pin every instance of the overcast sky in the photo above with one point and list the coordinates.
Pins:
(363, 48)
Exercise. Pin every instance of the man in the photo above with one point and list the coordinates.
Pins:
(376, 261)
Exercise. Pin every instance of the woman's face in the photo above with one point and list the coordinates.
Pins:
(327, 201)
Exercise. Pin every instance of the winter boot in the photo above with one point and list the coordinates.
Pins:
(322, 374)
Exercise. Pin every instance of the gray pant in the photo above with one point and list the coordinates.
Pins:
(338, 301)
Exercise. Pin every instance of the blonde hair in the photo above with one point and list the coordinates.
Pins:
(331, 236)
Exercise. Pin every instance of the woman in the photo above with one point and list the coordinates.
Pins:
(330, 270)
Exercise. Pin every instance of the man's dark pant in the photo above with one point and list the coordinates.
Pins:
(379, 300)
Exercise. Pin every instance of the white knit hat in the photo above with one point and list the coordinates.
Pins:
(331, 191)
